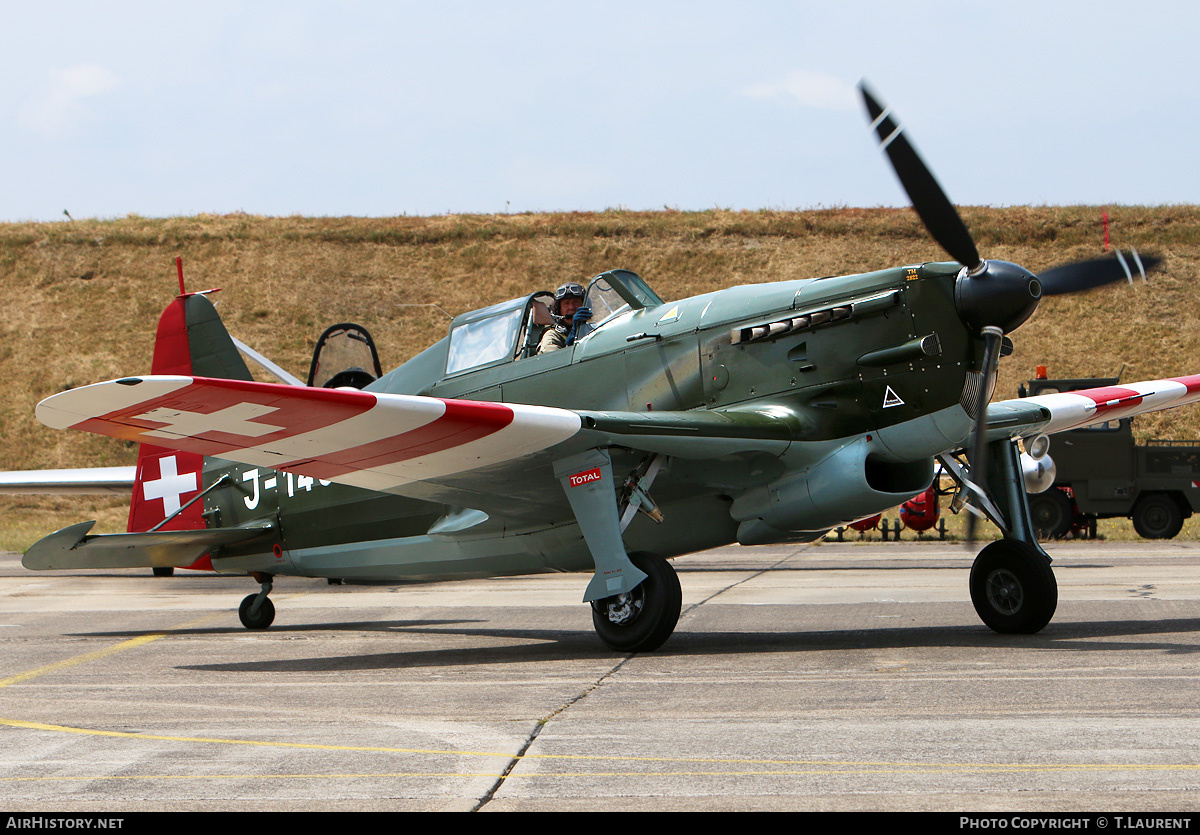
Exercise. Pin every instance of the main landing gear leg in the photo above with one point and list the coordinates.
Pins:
(257, 611)
(1012, 586)
(635, 599)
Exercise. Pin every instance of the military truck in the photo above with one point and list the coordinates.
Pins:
(1103, 473)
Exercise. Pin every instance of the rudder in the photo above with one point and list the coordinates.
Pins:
(191, 341)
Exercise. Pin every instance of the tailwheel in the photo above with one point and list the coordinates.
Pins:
(643, 619)
(259, 618)
(1013, 588)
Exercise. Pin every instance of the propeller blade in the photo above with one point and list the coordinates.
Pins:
(977, 453)
(1086, 275)
(936, 211)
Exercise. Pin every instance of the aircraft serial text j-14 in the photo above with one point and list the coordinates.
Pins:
(753, 414)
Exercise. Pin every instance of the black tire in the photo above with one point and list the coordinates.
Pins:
(642, 620)
(1157, 516)
(163, 570)
(1052, 513)
(264, 618)
(1013, 588)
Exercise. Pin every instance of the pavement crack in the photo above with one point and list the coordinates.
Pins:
(542, 723)
(537, 729)
(746, 579)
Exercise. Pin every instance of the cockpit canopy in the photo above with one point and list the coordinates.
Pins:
(345, 356)
(512, 330)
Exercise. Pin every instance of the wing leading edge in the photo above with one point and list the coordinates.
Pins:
(386, 441)
(375, 441)
(1050, 413)
(392, 443)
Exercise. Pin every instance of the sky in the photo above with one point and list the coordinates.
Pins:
(375, 109)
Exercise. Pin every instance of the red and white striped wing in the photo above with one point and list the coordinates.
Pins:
(376, 441)
(1071, 410)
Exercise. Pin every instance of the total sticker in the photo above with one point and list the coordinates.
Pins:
(580, 479)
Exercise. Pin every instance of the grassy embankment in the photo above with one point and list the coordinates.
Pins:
(80, 300)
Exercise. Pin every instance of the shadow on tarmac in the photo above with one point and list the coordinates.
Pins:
(531, 645)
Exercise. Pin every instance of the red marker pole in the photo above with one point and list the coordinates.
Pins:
(1104, 215)
(179, 261)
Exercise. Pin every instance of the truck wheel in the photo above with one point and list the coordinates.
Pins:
(1052, 513)
(1157, 516)
(1013, 588)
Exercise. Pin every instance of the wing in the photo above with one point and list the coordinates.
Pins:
(84, 481)
(497, 457)
(1050, 413)
(375, 441)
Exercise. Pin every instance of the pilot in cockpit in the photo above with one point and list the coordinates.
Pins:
(570, 318)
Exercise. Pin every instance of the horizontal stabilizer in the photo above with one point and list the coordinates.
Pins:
(73, 547)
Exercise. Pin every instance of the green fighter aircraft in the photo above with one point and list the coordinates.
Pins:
(754, 414)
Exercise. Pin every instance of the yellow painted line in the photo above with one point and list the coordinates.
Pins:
(817, 766)
(442, 775)
(39, 726)
(257, 776)
(81, 659)
(822, 766)
(132, 643)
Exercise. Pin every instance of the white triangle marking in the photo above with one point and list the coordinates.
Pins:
(890, 398)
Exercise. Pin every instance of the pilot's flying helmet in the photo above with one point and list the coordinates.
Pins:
(568, 291)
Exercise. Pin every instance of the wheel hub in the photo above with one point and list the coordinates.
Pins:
(623, 608)
(1004, 591)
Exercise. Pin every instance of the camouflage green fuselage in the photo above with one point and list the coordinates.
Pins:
(867, 372)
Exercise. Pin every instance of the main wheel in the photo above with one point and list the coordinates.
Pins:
(643, 619)
(1013, 588)
(1157, 516)
(264, 617)
(163, 570)
(1052, 513)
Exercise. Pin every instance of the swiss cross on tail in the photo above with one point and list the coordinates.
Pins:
(170, 484)
(165, 480)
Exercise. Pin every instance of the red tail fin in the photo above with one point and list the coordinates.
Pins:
(167, 479)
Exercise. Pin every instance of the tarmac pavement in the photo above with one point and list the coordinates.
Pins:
(821, 677)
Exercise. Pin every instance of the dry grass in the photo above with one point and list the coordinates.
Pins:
(79, 301)
(28, 518)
